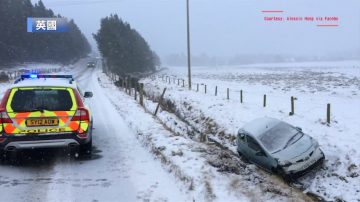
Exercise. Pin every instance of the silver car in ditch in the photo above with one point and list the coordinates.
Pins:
(279, 147)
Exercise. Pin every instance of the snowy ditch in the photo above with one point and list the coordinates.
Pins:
(208, 172)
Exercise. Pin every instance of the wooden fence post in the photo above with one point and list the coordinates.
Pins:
(265, 100)
(197, 87)
(120, 83)
(228, 93)
(205, 89)
(141, 94)
(292, 106)
(160, 101)
(183, 82)
(215, 90)
(241, 96)
(129, 86)
(135, 88)
(125, 85)
(328, 113)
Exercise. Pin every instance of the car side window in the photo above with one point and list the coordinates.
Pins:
(253, 144)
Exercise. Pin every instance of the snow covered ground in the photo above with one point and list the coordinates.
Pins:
(313, 84)
(193, 162)
(139, 157)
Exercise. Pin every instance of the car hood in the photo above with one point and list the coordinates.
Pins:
(296, 149)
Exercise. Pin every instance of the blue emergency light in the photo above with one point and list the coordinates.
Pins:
(45, 76)
(38, 76)
(33, 76)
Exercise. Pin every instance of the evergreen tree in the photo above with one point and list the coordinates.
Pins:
(124, 49)
(17, 45)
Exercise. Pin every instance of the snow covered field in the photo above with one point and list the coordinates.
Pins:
(313, 84)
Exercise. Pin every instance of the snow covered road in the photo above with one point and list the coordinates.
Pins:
(120, 170)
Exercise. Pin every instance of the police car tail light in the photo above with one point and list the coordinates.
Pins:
(81, 114)
(2, 139)
(4, 118)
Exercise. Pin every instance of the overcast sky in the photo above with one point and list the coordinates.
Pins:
(226, 27)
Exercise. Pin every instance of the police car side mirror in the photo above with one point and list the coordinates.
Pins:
(88, 94)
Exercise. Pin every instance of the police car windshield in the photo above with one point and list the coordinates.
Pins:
(41, 99)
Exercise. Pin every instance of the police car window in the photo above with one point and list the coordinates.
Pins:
(41, 99)
(253, 144)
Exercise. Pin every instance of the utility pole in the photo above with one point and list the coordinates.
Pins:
(188, 43)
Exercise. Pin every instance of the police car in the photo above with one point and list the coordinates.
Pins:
(45, 111)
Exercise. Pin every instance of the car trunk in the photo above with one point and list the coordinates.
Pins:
(41, 110)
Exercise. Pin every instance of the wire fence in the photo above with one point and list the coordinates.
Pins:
(228, 93)
(133, 87)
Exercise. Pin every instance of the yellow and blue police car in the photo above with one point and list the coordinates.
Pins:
(45, 111)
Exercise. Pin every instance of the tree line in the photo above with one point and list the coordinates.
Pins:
(17, 45)
(123, 48)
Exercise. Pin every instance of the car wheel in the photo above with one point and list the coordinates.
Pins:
(279, 171)
(85, 149)
(243, 158)
(2, 156)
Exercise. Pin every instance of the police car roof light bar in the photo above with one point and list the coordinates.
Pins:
(38, 76)
(32, 76)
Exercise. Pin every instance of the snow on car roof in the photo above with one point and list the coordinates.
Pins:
(260, 125)
(51, 82)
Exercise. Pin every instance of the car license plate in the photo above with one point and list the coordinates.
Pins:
(42, 122)
(308, 164)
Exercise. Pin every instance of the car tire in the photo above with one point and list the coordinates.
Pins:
(279, 171)
(243, 158)
(85, 149)
(2, 156)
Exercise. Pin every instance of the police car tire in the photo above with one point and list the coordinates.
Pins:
(2, 155)
(85, 149)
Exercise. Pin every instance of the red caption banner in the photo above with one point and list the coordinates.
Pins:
(322, 21)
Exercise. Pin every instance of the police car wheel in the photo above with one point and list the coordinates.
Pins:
(85, 149)
(2, 156)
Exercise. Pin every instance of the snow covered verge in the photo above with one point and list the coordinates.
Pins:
(208, 172)
(314, 86)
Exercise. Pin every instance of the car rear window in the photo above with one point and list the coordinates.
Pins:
(41, 99)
